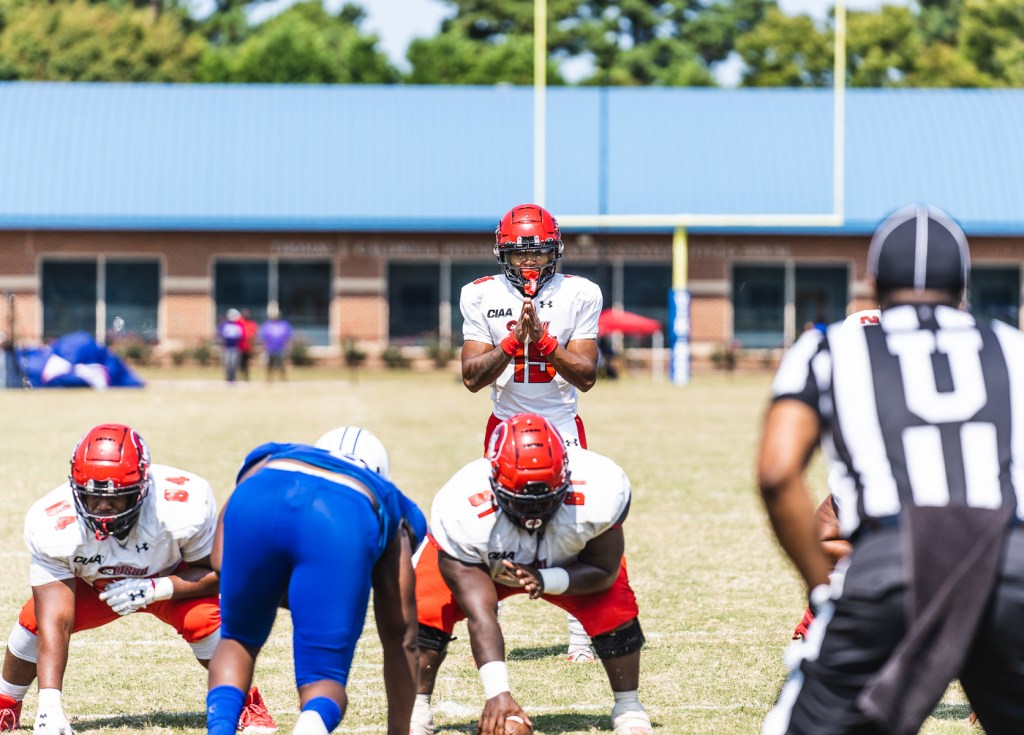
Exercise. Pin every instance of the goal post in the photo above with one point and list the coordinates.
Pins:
(679, 294)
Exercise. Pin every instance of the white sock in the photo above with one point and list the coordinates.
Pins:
(13, 691)
(309, 723)
(630, 697)
(577, 634)
(423, 699)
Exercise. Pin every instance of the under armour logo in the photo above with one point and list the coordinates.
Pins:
(572, 442)
(142, 547)
(544, 304)
(133, 596)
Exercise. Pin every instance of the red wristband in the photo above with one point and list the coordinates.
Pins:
(510, 345)
(547, 344)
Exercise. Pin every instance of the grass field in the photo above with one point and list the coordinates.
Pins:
(717, 599)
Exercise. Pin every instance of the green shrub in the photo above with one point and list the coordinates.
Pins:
(441, 353)
(395, 358)
(299, 353)
(179, 357)
(726, 356)
(133, 348)
(355, 355)
(203, 353)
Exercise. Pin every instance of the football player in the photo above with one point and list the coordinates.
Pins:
(298, 516)
(121, 536)
(531, 334)
(509, 523)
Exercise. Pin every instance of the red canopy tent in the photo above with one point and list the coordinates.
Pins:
(616, 321)
(626, 322)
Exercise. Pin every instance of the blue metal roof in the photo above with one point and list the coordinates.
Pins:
(402, 158)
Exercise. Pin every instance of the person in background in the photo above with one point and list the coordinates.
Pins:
(275, 334)
(231, 332)
(247, 347)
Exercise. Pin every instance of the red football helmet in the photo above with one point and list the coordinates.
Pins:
(529, 469)
(528, 228)
(112, 461)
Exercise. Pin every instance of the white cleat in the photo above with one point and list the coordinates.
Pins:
(581, 655)
(631, 719)
(422, 722)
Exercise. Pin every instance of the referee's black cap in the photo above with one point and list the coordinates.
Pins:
(920, 247)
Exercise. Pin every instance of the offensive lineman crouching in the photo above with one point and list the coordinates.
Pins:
(508, 523)
(121, 536)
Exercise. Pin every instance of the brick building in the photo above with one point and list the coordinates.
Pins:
(361, 211)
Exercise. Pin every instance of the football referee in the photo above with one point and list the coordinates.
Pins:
(921, 418)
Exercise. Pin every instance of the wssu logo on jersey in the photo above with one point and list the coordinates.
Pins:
(495, 313)
(123, 570)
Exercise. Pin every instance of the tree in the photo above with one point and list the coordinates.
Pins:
(625, 41)
(304, 44)
(992, 38)
(786, 51)
(81, 41)
(882, 47)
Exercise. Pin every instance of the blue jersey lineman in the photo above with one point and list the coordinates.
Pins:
(317, 530)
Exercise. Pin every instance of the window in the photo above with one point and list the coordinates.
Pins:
(414, 300)
(70, 293)
(759, 303)
(132, 297)
(242, 284)
(821, 294)
(645, 290)
(304, 296)
(995, 294)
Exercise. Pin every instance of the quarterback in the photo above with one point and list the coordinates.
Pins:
(121, 536)
(509, 523)
(530, 332)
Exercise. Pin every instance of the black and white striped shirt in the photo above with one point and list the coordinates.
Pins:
(919, 405)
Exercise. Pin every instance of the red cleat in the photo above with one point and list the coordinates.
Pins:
(255, 719)
(10, 714)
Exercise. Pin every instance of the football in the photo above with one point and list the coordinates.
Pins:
(515, 725)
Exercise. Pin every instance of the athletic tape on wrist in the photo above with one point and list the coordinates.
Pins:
(547, 344)
(510, 345)
(49, 699)
(556, 580)
(163, 588)
(494, 677)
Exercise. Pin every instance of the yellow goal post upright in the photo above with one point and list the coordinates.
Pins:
(679, 296)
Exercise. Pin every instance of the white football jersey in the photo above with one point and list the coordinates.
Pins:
(569, 305)
(177, 522)
(468, 524)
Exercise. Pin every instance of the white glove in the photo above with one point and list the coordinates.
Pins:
(129, 595)
(50, 720)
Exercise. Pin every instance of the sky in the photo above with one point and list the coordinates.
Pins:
(398, 22)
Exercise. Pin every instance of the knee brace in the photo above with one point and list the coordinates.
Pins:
(23, 644)
(432, 639)
(619, 642)
(204, 647)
